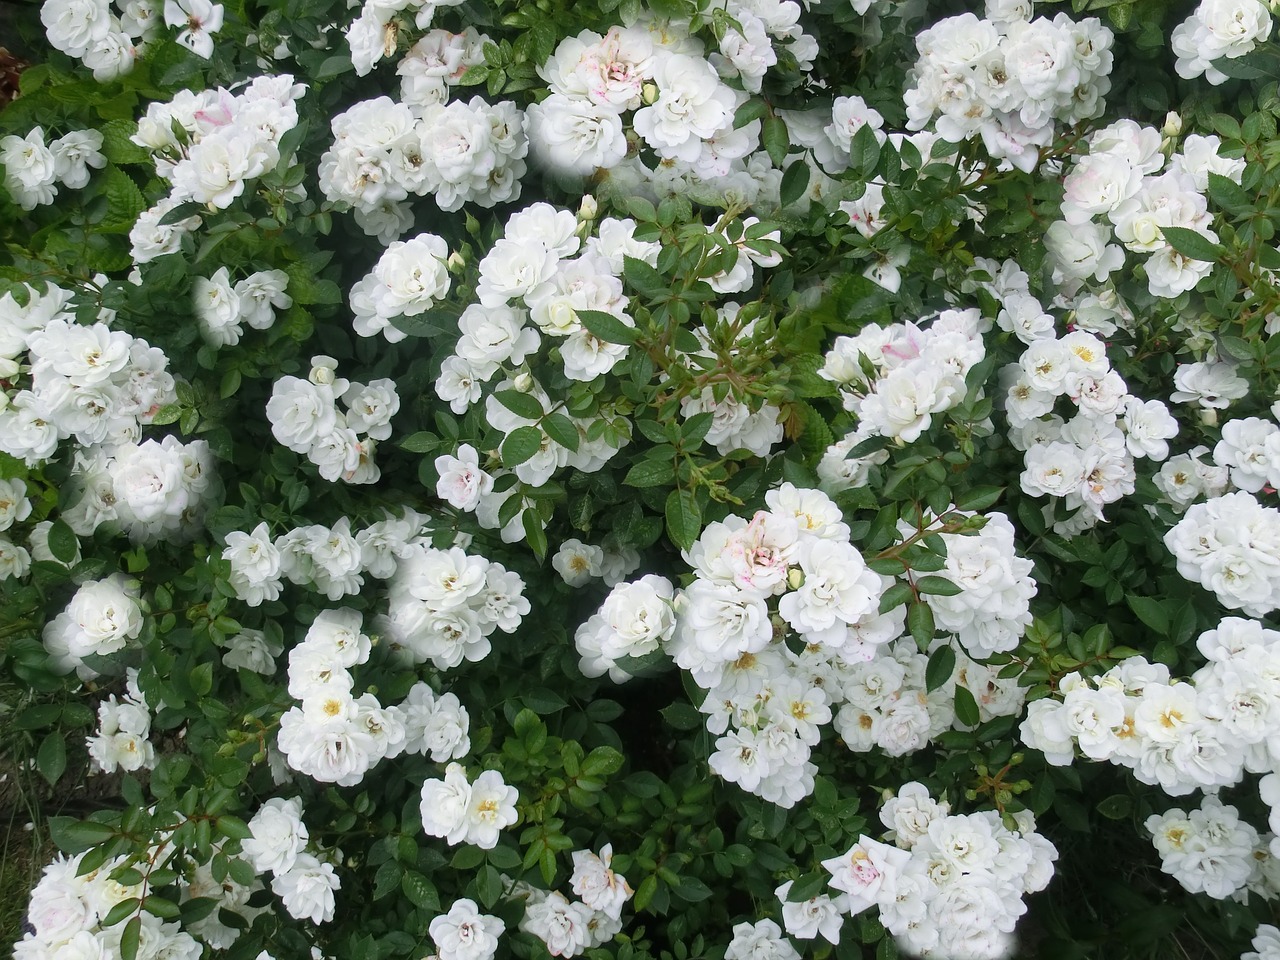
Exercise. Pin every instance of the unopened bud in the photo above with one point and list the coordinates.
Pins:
(456, 263)
(588, 209)
(649, 93)
(523, 382)
(1209, 417)
(1172, 124)
(795, 578)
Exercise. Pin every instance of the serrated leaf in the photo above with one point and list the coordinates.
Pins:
(937, 586)
(62, 542)
(421, 442)
(864, 150)
(966, 707)
(519, 445)
(895, 596)
(776, 140)
(522, 405)
(1193, 244)
(534, 534)
(607, 327)
(1149, 611)
(795, 181)
(420, 891)
(51, 758)
(684, 518)
(942, 663)
(124, 201)
(650, 473)
(130, 938)
(562, 430)
(920, 623)
(753, 108)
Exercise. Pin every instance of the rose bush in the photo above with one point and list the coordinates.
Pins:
(645, 478)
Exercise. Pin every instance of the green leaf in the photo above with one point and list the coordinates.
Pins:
(534, 534)
(920, 623)
(607, 327)
(966, 707)
(682, 716)
(520, 444)
(1228, 194)
(684, 518)
(74, 836)
(795, 180)
(62, 542)
(864, 150)
(1151, 612)
(895, 596)
(129, 939)
(424, 441)
(1193, 244)
(776, 140)
(233, 828)
(489, 885)
(420, 891)
(937, 586)
(562, 430)
(124, 201)
(753, 108)
(521, 404)
(51, 759)
(644, 279)
(650, 473)
(602, 761)
(979, 498)
(691, 890)
(942, 663)
(1116, 807)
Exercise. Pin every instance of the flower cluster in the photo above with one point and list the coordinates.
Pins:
(1009, 81)
(101, 619)
(152, 490)
(635, 620)
(1218, 30)
(465, 811)
(305, 418)
(570, 927)
(209, 145)
(1124, 178)
(1182, 736)
(992, 607)
(887, 704)
(894, 379)
(1211, 851)
(953, 885)
(33, 170)
(1230, 545)
(1185, 477)
(68, 907)
(124, 727)
(444, 605)
(384, 152)
(1087, 461)
(106, 42)
(89, 382)
(333, 735)
(278, 845)
(222, 308)
(329, 560)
